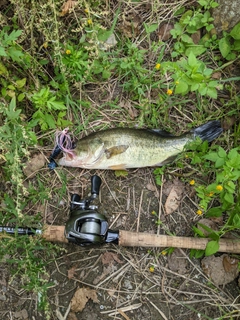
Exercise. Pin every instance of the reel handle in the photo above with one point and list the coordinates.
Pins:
(95, 185)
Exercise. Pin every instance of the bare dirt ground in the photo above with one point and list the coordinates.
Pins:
(114, 282)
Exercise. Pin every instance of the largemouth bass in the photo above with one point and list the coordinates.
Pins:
(123, 148)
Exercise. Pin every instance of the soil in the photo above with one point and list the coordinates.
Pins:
(127, 283)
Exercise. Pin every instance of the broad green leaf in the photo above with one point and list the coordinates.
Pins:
(197, 50)
(15, 54)
(181, 87)
(221, 152)
(187, 39)
(3, 52)
(236, 45)
(150, 27)
(20, 97)
(50, 121)
(3, 69)
(21, 83)
(224, 46)
(236, 220)
(192, 61)
(211, 248)
(214, 212)
(228, 197)
(219, 162)
(235, 33)
(106, 74)
(212, 156)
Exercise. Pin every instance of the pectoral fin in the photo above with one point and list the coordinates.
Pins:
(166, 161)
(114, 151)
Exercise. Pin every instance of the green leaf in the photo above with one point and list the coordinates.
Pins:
(212, 93)
(187, 39)
(121, 173)
(20, 97)
(150, 27)
(197, 50)
(21, 83)
(236, 220)
(15, 54)
(106, 74)
(214, 212)
(3, 69)
(212, 156)
(219, 162)
(235, 33)
(2, 52)
(181, 87)
(13, 35)
(50, 121)
(192, 61)
(228, 197)
(211, 248)
(224, 46)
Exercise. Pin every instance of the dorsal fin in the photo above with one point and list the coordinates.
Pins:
(162, 133)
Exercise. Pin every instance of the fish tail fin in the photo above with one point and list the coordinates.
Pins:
(208, 131)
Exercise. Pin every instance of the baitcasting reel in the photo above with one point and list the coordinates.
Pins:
(85, 225)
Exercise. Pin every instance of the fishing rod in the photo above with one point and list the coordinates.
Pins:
(86, 226)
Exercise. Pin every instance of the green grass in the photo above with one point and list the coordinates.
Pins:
(57, 69)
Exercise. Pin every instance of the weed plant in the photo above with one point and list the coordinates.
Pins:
(57, 64)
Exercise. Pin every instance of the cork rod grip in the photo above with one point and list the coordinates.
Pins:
(134, 239)
(54, 234)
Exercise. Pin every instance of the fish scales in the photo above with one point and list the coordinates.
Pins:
(123, 148)
(131, 148)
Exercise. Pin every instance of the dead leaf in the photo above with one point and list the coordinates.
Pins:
(177, 262)
(151, 187)
(214, 268)
(216, 75)
(228, 122)
(109, 258)
(81, 297)
(196, 37)
(172, 202)
(178, 185)
(130, 25)
(67, 6)
(71, 272)
(72, 316)
(229, 263)
(22, 314)
(164, 31)
(33, 165)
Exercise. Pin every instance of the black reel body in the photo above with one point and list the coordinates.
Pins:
(86, 226)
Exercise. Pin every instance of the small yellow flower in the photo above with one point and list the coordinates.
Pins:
(177, 82)
(68, 51)
(219, 188)
(199, 212)
(158, 66)
(186, 156)
(89, 21)
(45, 45)
(153, 213)
(192, 182)
(210, 194)
(86, 10)
(164, 252)
(151, 269)
(169, 92)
